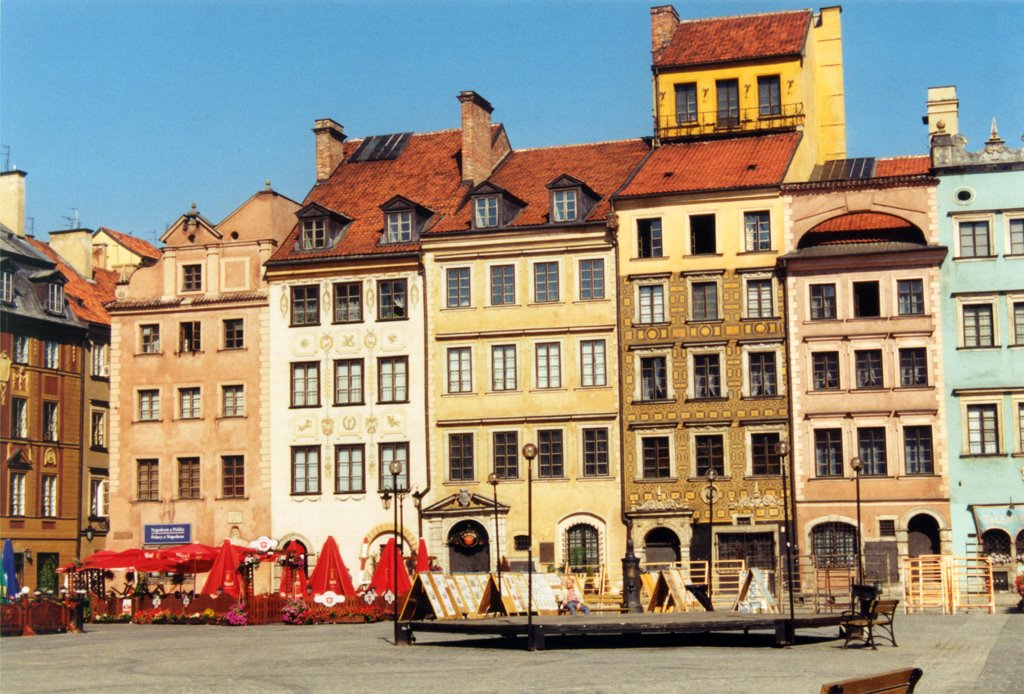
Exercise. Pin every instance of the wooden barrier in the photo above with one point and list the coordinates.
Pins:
(265, 609)
(29, 617)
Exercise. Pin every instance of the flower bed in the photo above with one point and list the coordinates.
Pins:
(298, 611)
(158, 616)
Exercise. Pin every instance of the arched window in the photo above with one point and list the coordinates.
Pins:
(995, 544)
(834, 544)
(584, 549)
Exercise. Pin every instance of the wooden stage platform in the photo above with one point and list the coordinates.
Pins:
(641, 624)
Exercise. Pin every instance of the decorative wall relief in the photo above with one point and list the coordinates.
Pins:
(370, 339)
(305, 428)
(49, 458)
(393, 424)
(393, 340)
(349, 423)
(371, 424)
(326, 343)
(304, 345)
(282, 304)
(414, 294)
(370, 297)
(325, 303)
(327, 426)
(5, 376)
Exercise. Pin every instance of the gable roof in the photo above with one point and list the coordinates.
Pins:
(743, 162)
(728, 39)
(132, 243)
(86, 298)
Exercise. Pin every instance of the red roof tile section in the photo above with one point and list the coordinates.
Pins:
(726, 39)
(85, 298)
(903, 166)
(863, 221)
(748, 162)
(133, 243)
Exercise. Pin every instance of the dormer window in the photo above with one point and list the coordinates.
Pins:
(314, 234)
(571, 199)
(399, 229)
(55, 298)
(319, 228)
(404, 220)
(564, 205)
(7, 286)
(485, 211)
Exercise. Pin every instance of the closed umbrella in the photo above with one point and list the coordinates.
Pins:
(383, 576)
(293, 578)
(330, 573)
(422, 560)
(224, 572)
(9, 576)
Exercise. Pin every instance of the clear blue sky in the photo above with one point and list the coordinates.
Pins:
(130, 111)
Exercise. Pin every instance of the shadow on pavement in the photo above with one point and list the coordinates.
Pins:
(553, 643)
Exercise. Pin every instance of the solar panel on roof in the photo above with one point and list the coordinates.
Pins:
(381, 147)
(845, 169)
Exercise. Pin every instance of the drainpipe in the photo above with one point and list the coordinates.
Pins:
(81, 451)
(791, 425)
(421, 270)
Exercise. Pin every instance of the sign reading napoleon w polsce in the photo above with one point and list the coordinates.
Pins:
(167, 534)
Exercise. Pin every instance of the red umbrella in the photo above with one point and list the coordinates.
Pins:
(383, 576)
(330, 573)
(192, 558)
(139, 559)
(293, 579)
(422, 560)
(224, 573)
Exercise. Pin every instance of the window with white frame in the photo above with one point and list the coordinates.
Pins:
(503, 285)
(348, 382)
(233, 399)
(55, 298)
(313, 234)
(545, 282)
(457, 280)
(98, 429)
(762, 374)
(305, 305)
(391, 295)
(564, 205)
(305, 384)
(485, 211)
(549, 365)
(982, 429)
(149, 405)
(823, 301)
(757, 231)
(393, 379)
(52, 354)
(16, 496)
(460, 370)
(654, 377)
(398, 453)
(651, 303)
(503, 367)
(20, 349)
(51, 425)
(1017, 314)
(978, 325)
(99, 496)
(707, 376)
(591, 279)
(399, 227)
(49, 505)
(305, 470)
(348, 302)
(350, 469)
(1016, 230)
(910, 296)
(100, 360)
(759, 297)
(19, 418)
(189, 403)
(686, 102)
(704, 301)
(150, 338)
(7, 286)
(592, 363)
(974, 238)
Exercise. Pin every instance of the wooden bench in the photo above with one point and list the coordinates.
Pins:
(895, 682)
(874, 622)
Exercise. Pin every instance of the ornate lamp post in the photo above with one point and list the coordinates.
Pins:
(386, 494)
(782, 450)
(711, 476)
(529, 452)
(857, 466)
(493, 479)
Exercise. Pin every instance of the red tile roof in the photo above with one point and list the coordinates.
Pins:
(133, 243)
(747, 162)
(85, 298)
(727, 39)
(863, 221)
(903, 166)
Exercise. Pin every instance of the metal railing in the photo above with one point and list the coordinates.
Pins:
(673, 126)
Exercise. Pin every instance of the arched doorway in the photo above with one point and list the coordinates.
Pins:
(661, 546)
(922, 535)
(467, 548)
(584, 549)
(834, 544)
(995, 544)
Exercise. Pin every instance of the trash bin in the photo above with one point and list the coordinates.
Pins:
(863, 595)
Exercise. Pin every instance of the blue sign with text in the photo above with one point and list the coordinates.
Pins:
(167, 534)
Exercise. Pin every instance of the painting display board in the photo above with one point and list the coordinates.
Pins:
(669, 593)
(754, 595)
(429, 597)
(471, 588)
(515, 593)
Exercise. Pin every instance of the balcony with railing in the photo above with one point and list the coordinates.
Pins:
(688, 126)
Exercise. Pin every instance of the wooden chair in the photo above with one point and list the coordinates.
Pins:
(862, 626)
(895, 682)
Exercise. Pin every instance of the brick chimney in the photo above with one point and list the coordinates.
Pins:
(943, 111)
(478, 158)
(330, 149)
(12, 201)
(663, 26)
(75, 247)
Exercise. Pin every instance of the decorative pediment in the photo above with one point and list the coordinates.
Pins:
(464, 503)
(19, 461)
(191, 229)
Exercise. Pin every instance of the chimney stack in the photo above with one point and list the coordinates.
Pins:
(943, 111)
(664, 21)
(12, 201)
(330, 149)
(478, 158)
(75, 247)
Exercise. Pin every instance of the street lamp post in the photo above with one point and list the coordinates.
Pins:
(711, 476)
(493, 480)
(386, 495)
(857, 466)
(529, 452)
(782, 450)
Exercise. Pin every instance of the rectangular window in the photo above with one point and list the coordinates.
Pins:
(592, 279)
(314, 234)
(595, 452)
(503, 285)
(485, 211)
(652, 303)
(917, 448)
(350, 469)
(98, 429)
(233, 399)
(551, 455)
(764, 459)
(868, 367)
(460, 457)
(306, 305)
(914, 367)
(150, 338)
(20, 349)
(549, 365)
(19, 418)
(232, 476)
(190, 337)
(51, 427)
(234, 333)
(348, 382)
(306, 384)
(458, 287)
(49, 500)
(189, 403)
(305, 469)
(147, 477)
(506, 454)
(55, 298)
(728, 92)
(704, 298)
(707, 381)
(686, 102)
(52, 354)
(503, 367)
(392, 296)
(399, 227)
(563, 206)
(99, 498)
(545, 282)
(188, 478)
(759, 299)
(982, 430)
(911, 297)
(871, 449)
(1018, 322)
(394, 452)
(1017, 237)
(709, 453)
(393, 373)
(769, 96)
(16, 498)
(763, 375)
(656, 460)
(7, 286)
(823, 301)
(149, 405)
(866, 302)
(460, 370)
(828, 452)
(192, 278)
(977, 325)
(592, 363)
(974, 240)
(702, 235)
(649, 238)
(653, 378)
(100, 360)
(348, 302)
